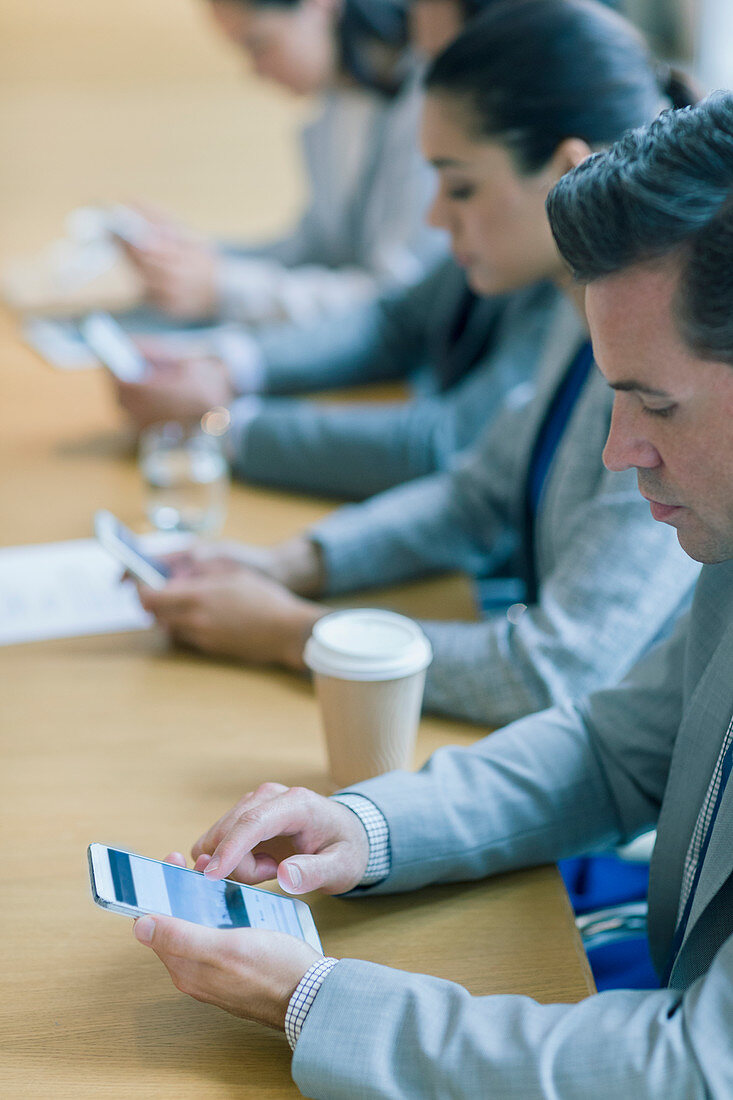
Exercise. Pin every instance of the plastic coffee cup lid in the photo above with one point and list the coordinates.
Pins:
(367, 644)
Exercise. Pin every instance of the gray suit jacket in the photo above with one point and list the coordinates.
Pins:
(551, 786)
(611, 579)
(461, 381)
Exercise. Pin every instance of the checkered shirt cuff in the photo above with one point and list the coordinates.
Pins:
(304, 996)
(377, 830)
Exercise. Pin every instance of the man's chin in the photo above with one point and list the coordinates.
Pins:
(705, 547)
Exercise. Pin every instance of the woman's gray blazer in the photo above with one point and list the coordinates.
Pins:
(611, 579)
(363, 229)
(354, 451)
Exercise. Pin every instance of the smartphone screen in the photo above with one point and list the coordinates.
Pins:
(148, 885)
(113, 347)
(125, 547)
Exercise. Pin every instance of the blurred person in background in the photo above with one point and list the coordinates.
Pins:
(464, 350)
(581, 580)
(363, 226)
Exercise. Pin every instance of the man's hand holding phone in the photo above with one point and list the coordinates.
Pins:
(307, 842)
(248, 972)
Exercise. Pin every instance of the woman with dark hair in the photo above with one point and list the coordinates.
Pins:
(520, 98)
(363, 228)
(461, 353)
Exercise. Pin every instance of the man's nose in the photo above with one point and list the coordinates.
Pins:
(627, 445)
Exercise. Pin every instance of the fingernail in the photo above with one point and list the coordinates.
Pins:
(212, 866)
(145, 929)
(296, 879)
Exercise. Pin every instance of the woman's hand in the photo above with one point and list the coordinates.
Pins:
(206, 559)
(175, 389)
(236, 612)
(178, 267)
(295, 564)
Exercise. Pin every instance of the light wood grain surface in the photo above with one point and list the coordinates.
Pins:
(119, 738)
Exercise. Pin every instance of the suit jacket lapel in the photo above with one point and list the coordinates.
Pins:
(697, 749)
(718, 864)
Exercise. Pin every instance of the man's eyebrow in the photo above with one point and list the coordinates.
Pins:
(639, 387)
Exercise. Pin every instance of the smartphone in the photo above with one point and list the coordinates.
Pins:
(132, 885)
(119, 541)
(113, 347)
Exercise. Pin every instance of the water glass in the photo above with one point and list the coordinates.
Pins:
(186, 478)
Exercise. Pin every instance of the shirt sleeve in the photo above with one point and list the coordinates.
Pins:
(304, 996)
(378, 1033)
(377, 869)
(377, 831)
(257, 291)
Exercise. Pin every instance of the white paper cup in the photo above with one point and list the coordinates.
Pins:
(369, 673)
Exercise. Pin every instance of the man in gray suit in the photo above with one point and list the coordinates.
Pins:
(648, 227)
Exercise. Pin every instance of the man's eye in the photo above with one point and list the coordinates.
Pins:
(666, 411)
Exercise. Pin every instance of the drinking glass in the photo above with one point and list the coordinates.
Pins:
(186, 478)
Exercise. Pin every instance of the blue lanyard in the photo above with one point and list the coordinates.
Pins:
(545, 447)
(555, 423)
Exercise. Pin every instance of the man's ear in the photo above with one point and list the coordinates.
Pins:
(569, 154)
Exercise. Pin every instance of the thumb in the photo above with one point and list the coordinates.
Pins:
(169, 936)
(329, 871)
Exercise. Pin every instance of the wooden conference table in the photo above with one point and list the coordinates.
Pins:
(120, 739)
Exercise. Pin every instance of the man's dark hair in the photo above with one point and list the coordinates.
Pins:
(663, 190)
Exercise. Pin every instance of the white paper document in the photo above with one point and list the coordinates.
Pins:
(62, 589)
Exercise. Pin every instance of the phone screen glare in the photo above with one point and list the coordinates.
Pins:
(164, 888)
